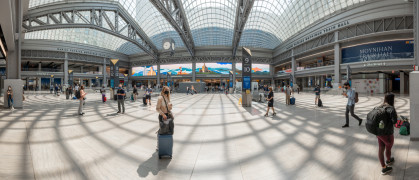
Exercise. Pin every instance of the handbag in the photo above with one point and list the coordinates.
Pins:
(170, 114)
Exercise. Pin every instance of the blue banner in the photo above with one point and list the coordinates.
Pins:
(246, 82)
(378, 51)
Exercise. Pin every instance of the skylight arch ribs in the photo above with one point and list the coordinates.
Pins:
(173, 12)
(88, 15)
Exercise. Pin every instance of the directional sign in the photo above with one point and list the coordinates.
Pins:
(247, 69)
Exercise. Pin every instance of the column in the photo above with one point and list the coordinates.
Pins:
(414, 106)
(65, 70)
(13, 60)
(90, 83)
(382, 82)
(293, 66)
(81, 69)
(337, 55)
(193, 71)
(322, 81)
(158, 74)
(39, 66)
(105, 81)
(233, 68)
(402, 82)
(38, 82)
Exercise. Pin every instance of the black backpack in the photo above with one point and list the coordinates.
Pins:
(320, 103)
(374, 117)
(78, 94)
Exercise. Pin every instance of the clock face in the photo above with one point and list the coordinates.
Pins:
(166, 45)
(173, 46)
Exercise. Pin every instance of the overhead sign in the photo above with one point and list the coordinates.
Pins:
(378, 51)
(114, 70)
(247, 69)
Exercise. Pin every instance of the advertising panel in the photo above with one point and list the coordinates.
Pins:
(176, 69)
(213, 68)
(378, 51)
(257, 69)
(144, 71)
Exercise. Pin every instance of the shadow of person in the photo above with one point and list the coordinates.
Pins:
(153, 165)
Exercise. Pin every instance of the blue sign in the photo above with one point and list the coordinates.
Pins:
(378, 51)
(246, 82)
(112, 83)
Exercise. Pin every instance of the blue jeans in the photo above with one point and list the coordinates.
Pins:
(10, 101)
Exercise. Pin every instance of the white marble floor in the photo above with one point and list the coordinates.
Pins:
(215, 138)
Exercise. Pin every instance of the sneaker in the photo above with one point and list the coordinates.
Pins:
(390, 162)
(345, 126)
(386, 170)
(360, 122)
(118, 112)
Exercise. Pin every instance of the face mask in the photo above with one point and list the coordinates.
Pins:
(166, 92)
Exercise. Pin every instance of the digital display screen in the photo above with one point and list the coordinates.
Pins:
(257, 69)
(144, 71)
(176, 69)
(213, 68)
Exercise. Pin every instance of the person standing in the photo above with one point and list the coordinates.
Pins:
(10, 97)
(103, 91)
(298, 88)
(270, 100)
(385, 135)
(317, 93)
(135, 93)
(350, 107)
(82, 97)
(121, 99)
(287, 94)
(187, 90)
(76, 87)
(148, 92)
(70, 91)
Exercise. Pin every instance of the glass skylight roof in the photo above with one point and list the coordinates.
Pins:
(86, 36)
(270, 22)
(211, 21)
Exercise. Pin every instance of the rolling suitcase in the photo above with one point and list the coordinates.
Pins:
(165, 146)
(320, 103)
(292, 101)
(145, 100)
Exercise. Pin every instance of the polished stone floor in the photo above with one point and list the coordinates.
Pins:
(214, 139)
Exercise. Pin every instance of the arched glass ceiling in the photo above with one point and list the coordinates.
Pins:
(35, 3)
(87, 36)
(280, 19)
(211, 21)
(151, 21)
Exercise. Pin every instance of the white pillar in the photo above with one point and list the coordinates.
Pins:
(65, 69)
(81, 69)
(105, 81)
(337, 55)
(39, 66)
(414, 106)
(293, 68)
(402, 82)
(193, 71)
(382, 83)
(158, 74)
(90, 83)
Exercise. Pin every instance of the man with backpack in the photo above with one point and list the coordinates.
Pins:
(350, 106)
(380, 122)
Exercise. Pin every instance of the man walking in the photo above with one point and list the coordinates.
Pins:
(350, 107)
(135, 93)
(317, 93)
(121, 99)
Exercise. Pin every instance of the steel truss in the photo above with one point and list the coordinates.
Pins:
(174, 13)
(90, 15)
(242, 13)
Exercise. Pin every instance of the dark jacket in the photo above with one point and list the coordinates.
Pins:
(388, 122)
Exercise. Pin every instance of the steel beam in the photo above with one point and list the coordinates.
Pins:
(174, 13)
(67, 11)
(242, 14)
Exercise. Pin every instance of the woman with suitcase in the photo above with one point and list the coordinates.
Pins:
(166, 124)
